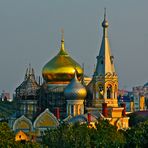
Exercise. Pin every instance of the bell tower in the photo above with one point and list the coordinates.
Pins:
(105, 79)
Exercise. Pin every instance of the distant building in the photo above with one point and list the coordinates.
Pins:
(140, 94)
(128, 100)
(135, 100)
(5, 96)
(26, 95)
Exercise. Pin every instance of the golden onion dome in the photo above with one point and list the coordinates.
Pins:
(61, 68)
(75, 90)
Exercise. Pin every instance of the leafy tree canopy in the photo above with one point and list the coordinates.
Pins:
(79, 135)
(137, 136)
(7, 139)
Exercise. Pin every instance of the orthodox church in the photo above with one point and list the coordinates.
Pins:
(65, 96)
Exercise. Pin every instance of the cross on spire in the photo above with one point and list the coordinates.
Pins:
(62, 39)
(104, 13)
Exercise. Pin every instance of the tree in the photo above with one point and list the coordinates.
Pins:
(137, 136)
(6, 135)
(7, 138)
(67, 136)
(106, 135)
(84, 135)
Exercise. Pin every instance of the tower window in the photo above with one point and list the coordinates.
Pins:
(72, 109)
(100, 91)
(109, 91)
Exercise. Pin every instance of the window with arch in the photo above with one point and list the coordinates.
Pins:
(115, 92)
(101, 91)
(72, 109)
(109, 91)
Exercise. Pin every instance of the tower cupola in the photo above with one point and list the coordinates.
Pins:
(105, 61)
(104, 84)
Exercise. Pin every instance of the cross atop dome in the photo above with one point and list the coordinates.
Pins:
(60, 69)
(62, 39)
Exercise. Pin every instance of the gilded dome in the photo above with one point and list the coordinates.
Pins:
(61, 68)
(75, 90)
(105, 24)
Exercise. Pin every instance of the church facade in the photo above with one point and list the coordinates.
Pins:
(65, 96)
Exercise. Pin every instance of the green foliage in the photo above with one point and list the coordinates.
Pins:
(79, 135)
(6, 135)
(26, 144)
(104, 135)
(137, 136)
(67, 136)
(7, 139)
(107, 135)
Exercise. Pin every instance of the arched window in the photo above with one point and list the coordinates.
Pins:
(109, 91)
(115, 92)
(101, 92)
(72, 109)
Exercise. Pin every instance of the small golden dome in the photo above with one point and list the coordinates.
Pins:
(61, 68)
(105, 22)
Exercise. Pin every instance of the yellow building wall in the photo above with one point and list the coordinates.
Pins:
(132, 106)
(21, 136)
(120, 123)
(142, 103)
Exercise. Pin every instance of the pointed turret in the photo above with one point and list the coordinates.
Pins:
(26, 75)
(105, 59)
(104, 84)
(29, 86)
(27, 96)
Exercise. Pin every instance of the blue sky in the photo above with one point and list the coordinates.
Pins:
(30, 33)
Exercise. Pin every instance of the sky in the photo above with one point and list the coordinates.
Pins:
(30, 33)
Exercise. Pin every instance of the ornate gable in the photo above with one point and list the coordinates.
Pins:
(46, 119)
(22, 123)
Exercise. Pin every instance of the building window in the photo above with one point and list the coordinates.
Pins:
(115, 92)
(109, 92)
(72, 109)
(100, 92)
